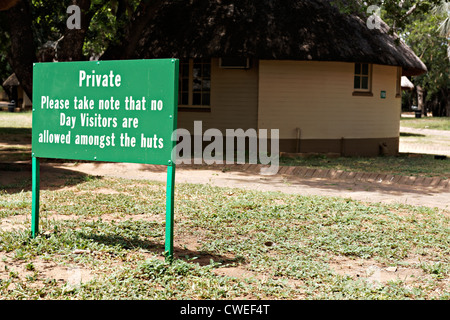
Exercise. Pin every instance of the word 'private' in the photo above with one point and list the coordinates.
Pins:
(98, 80)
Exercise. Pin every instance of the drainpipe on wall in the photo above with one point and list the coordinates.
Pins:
(298, 140)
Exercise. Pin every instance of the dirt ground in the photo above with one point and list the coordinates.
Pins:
(357, 190)
(426, 141)
(236, 178)
(55, 175)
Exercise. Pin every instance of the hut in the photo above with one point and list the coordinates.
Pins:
(326, 80)
(406, 84)
(16, 92)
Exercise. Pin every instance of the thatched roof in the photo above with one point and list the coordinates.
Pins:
(11, 81)
(406, 84)
(272, 29)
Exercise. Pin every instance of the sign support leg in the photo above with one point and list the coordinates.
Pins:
(169, 211)
(35, 197)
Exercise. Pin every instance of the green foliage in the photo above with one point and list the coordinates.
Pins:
(49, 25)
(396, 13)
(423, 37)
(422, 30)
(97, 40)
(49, 20)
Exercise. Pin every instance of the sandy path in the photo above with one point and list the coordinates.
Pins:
(362, 190)
(435, 142)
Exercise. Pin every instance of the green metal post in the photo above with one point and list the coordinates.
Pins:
(169, 210)
(35, 197)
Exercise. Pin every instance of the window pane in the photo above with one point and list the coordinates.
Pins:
(365, 83)
(357, 83)
(195, 82)
(365, 69)
(185, 84)
(184, 98)
(184, 69)
(197, 98)
(197, 85)
(357, 68)
(206, 99)
(197, 71)
(206, 70)
(206, 85)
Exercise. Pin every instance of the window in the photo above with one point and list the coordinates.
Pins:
(362, 82)
(194, 88)
(183, 85)
(234, 63)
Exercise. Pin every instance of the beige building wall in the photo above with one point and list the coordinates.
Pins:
(234, 100)
(317, 98)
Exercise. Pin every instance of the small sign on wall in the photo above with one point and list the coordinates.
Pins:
(383, 94)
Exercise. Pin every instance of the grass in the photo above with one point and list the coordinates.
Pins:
(436, 123)
(15, 119)
(229, 244)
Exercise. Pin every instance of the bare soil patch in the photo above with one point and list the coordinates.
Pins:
(374, 272)
(69, 274)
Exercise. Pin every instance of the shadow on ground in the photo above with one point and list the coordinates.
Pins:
(202, 258)
(17, 177)
(236, 177)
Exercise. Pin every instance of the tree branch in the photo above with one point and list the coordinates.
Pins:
(129, 39)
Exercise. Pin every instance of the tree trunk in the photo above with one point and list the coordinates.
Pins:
(421, 100)
(22, 54)
(71, 46)
(447, 107)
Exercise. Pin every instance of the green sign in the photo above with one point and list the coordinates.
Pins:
(120, 111)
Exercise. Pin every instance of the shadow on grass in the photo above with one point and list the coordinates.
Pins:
(283, 183)
(5, 130)
(408, 134)
(199, 257)
(17, 177)
(15, 136)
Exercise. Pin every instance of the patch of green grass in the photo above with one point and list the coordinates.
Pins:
(16, 119)
(282, 244)
(437, 123)
(424, 165)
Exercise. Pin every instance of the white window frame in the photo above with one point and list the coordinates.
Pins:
(190, 90)
(361, 75)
